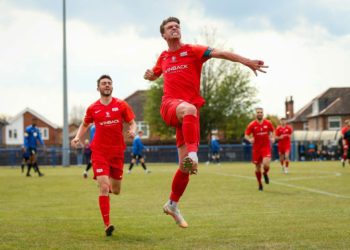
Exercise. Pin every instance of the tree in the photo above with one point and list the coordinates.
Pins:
(229, 99)
(274, 119)
(76, 115)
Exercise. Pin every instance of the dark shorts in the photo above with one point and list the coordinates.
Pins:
(31, 151)
(137, 157)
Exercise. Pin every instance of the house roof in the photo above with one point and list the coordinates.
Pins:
(36, 114)
(137, 101)
(334, 101)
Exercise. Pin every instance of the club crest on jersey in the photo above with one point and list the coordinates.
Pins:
(173, 58)
(115, 109)
(184, 53)
(108, 114)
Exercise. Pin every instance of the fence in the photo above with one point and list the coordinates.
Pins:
(229, 153)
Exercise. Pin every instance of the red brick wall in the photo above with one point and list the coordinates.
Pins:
(53, 133)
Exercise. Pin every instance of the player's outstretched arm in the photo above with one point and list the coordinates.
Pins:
(149, 75)
(254, 65)
(131, 132)
(81, 131)
(249, 138)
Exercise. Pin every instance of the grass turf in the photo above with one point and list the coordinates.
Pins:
(307, 209)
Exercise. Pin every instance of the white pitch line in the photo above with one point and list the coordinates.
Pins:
(312, 177)
(312, 190)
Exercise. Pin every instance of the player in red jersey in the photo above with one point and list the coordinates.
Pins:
(283, 135)
(344, 142)
(181, 67)
(260, 134)
(108, 114)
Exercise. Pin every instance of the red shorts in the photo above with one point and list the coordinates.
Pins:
(284, 149)
(260, 153)
(168, 113)
(107, 164)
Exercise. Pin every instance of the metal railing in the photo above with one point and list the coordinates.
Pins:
(228, 153)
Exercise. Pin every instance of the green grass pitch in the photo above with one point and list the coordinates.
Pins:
(307, 209)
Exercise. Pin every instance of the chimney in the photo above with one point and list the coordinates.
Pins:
(289, 107)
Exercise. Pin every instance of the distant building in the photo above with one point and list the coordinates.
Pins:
(137, 101)
(328, 111)
(14, 130)
(3, 124)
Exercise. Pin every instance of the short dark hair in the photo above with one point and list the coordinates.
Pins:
(168, 20)
(102, 77)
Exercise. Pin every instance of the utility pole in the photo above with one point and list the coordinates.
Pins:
(65, 143)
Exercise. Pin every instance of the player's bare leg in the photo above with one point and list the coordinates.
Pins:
(282, 161)
(286, 162)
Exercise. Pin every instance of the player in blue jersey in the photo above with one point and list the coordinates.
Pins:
(137, 150)
(88, 151)
(215, 149)
(25, 158)
(31, 137)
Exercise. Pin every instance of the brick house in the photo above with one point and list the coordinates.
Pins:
(14, 130)
(137, 101)
(328, 111)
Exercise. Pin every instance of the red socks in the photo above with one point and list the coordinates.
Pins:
(190, 132)
(179, 185)
(287, 163)
(105, 208)
(266, 170)
(258, 176)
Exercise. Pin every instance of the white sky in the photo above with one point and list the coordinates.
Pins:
(306, 44)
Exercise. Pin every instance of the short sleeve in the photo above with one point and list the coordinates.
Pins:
(248, 131)
(157, 69)
(202, 52)
(88, 116)
(128, 113)
(278, 132)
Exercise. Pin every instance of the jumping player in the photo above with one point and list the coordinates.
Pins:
(260, 133)
(181, 67)
(283, 135)
(108, 114)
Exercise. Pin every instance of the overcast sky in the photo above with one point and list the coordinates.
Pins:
(306, 43)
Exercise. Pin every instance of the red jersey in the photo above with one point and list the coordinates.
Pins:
(286, 130)
(344, 130)
(261, 133)
(108, 121)
(181, 71)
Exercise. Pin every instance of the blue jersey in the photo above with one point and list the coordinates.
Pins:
(215, 145)
(137, 146)
(92, 132)
(31, 136)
